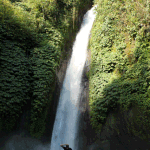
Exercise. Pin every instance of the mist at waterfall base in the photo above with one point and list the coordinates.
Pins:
(65, 126)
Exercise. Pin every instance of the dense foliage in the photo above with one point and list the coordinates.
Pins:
(33, 36)
(120, 63)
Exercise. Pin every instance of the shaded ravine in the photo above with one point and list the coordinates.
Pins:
(65, 127)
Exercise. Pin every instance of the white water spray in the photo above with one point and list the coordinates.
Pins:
(65, 130)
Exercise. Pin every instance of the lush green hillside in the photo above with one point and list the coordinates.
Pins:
(120, 63)
(33, 37)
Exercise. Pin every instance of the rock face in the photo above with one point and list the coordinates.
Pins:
(116, 132)
(87, 135)
(119, 77)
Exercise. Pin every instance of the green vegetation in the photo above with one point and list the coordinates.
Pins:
(33, 39)
(120, 63)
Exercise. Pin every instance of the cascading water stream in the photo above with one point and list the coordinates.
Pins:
(65, 130)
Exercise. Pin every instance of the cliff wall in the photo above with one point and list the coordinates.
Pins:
(119, 74)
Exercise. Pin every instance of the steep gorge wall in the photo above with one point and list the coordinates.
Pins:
(119, 75)
(35, 38)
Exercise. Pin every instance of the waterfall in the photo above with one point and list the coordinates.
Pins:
(65, 130)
